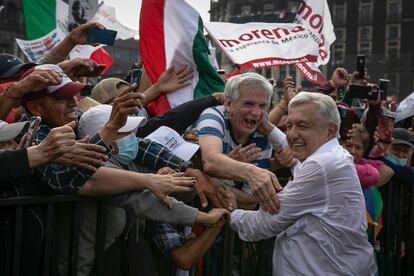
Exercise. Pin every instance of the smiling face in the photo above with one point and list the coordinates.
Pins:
(307, 131)
(55, 112)
(247, 112)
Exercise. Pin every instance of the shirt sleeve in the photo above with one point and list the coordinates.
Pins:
(210, 123)
(306, 194)
(367, 174)
(64, 179)
(277, 137)
(14, 167)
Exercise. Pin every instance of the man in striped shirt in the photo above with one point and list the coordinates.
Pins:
(223, 128)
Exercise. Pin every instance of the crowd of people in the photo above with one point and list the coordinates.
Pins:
(297, 169)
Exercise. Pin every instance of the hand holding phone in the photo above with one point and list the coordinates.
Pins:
(103, 36)
(83, 71)
(31, 131)
(363, 92)
(360, 66)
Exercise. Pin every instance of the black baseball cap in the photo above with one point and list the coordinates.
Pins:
(10, 65)
(402, 136)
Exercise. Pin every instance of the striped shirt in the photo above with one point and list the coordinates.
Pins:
(214, 121)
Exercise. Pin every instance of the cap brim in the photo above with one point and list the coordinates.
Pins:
(402, 142)
(15, 69)
(186, 150)
(132, 123)
(11, 131)
(68, 90)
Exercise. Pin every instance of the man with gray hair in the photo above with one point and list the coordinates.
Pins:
(222, 128)
(321, 227)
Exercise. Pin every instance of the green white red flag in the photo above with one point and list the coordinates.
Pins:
(171, 33)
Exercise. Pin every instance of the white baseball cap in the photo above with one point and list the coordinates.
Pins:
(96, 117)
(11, 131)
(170, 139)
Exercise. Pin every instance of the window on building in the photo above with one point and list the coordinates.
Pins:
(393, 9)
(393, 31)
(292, 6)
(365, 11)
(268, 8)
(340, 34)
(364, 33)
(365, 48)
(245, 10)
(338, 53)
(392, 50)
(339, 13)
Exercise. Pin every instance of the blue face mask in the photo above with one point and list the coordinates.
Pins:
(127, 149)
(397, 161)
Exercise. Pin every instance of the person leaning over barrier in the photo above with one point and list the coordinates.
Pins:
(17, 161)
(321, 226)
(222, 128)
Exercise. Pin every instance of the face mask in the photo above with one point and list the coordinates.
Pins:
(127, 149)
(397, 161)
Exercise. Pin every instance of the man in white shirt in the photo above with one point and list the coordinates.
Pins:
(321, 224)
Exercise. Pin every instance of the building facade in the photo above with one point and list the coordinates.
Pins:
(379, 29)
(11, 26)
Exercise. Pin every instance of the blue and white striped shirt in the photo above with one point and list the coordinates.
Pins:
(214, 121)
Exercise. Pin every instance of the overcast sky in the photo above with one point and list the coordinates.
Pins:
(127, 11)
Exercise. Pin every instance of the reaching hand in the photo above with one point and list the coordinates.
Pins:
(246, 154)
(36, 81)
(227, 198)
(264, 186)
(289, 90)
(72, 67)
(171, 79)
(191, 136)
(126, 103)
(84, 155)
(205, 189)
(79, 34)
(163, 185)
(340, 78)
(213, 217)
(355, 78)
(284, 157)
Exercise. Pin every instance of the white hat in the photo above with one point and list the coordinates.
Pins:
(11, 131)
(170, 139)
(96, 117)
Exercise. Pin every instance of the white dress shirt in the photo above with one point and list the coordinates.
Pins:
(321, 225)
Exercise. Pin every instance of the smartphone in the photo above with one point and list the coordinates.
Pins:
(103, 36)
(360, 66)
(82, 71)
(348, 118)
(136, 75)
(363, 92)
(385, 127)
(384, 86)
(31, 131)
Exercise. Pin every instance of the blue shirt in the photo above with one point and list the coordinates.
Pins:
(214, 121)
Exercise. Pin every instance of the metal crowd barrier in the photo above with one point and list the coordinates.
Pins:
(238, 257)
(50, 203)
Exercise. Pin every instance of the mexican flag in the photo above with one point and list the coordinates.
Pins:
(39, 17)
(47, 20)
(171, 33)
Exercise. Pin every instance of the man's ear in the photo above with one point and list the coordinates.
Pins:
(227, 104)
(34, 107)
(332, 130)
